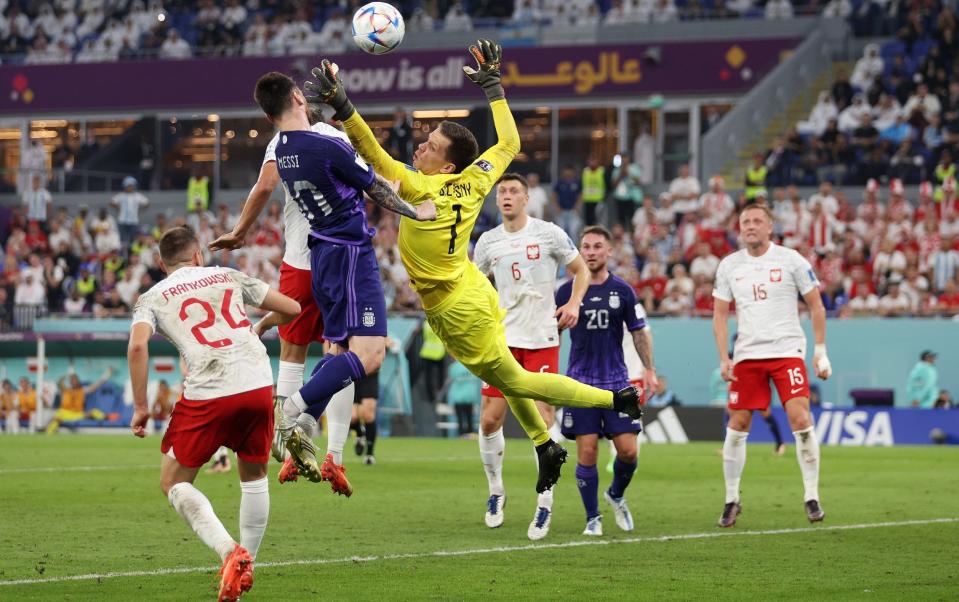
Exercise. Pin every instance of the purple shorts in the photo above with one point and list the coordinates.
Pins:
(597, 421)
(348, 291)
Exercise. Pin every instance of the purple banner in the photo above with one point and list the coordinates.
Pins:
(538, 74)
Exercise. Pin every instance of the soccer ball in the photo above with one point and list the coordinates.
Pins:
(378, 28)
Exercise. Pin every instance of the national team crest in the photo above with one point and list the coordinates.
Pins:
(614, 301)
(369, 318)
(532, 251)
(775, 275)
(733, 398)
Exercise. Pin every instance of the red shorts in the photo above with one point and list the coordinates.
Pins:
(750, 387)
(242, 422)
(308, 326)
(534, 360)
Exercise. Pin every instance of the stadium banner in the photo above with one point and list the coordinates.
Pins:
(539, 73)
(835, 426)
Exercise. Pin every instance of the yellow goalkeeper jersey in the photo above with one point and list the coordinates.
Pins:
(434, 253)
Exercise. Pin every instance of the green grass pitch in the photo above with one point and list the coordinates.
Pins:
(414, 529)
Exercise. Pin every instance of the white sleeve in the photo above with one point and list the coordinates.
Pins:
(722, 289)
(803, 275)
(481, 255)
(142, 312)
(270, 154)
(254, 289)
(562, 246)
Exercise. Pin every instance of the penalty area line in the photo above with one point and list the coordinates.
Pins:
(493, 550)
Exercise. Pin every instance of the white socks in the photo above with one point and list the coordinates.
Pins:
(290, 379)
(734, 460)
(254, 511)
(338, 415)
(294, 405)
(807, 452)
(492, 447)
(545, 499)
(555, 432)
(196, 510)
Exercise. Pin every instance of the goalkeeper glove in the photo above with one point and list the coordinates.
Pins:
(328, 89)
(488, 56)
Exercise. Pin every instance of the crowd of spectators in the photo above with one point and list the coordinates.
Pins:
(63, 31)
(894, 117)
(898, 257)
(58, 259)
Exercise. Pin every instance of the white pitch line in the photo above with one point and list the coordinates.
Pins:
(495, 550)
(157, 465)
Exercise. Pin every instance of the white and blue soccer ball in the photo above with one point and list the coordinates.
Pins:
(378, 28)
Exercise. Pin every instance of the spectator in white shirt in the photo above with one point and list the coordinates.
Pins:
(779, 9)
(715, 206)
(663, 11)
(128, 204)
(851, 117)
(682, 281)
(945, 263)
(420, 21)
(175, 47)
(527, 12)
(37, 200)
(826, 198)
(233, 16)
(676, 303)
(58, 235)
(30, 290)
(106, 236)
(684, 191)
(820, 115)
(894, 303)
(923, 102)
(865, 303)
(867, 69)
(837, 9)
(538, 196)
(74, 304)
(457, 20)
(704, 266)
(254, 42)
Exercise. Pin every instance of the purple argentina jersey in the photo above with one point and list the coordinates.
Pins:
(596, 355)
(326, 179)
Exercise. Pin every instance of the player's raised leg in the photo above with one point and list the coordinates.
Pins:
(543, 516)
(492, 447)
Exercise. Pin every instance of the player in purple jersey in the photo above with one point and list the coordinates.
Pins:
(327, 179)
(596, 358)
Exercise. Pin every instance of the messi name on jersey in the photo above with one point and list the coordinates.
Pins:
(288, 161)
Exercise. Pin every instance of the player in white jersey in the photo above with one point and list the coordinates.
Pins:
(522, 256)
(295, 337)
(765, 281)
(227, 398)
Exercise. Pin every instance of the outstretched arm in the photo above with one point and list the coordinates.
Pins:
(258, 198)
(99, 383)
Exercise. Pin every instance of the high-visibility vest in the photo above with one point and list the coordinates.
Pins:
(433, 348)
(941, 176)
(594, 185)
(198, 192)
(755, 181)
(86, 287)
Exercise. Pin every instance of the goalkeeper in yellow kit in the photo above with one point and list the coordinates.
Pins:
(460, 303)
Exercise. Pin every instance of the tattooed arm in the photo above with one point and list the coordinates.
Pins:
(643, 340)
(383, 194)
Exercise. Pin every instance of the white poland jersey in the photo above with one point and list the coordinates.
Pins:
(766, 290)
(200, 310)
(296, 228)
(523, 265)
